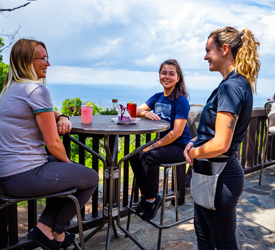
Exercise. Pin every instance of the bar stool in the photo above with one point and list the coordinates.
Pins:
(270, 131)
(64, 194)
(167, 167)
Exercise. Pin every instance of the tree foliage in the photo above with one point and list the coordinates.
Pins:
(72, 107)
(4, 68)
(108, 112)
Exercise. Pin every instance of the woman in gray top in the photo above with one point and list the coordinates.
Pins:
(28, 122)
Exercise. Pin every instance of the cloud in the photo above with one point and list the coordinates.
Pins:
(122, 41)
(93, 76)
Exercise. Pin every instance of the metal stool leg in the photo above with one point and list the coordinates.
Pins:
(114, 227)
(174, 172)
(79, 221)
(131, 203)
(165, 187)
(263, 156)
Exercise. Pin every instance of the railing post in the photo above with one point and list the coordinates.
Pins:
(3, 227)
(12, 224)
(95, 167)
(82, 139)
(181, 180)
(262, 126)
(243, 150)
(272, 148)
(32, 214)
(126, 170)
(251, 142)
(137, 188)
(67, 145)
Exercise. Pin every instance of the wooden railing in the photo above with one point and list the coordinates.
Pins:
(249, 155)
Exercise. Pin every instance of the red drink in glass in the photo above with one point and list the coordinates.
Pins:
(86, 114)
(132, 107)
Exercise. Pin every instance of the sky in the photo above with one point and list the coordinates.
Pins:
(123, 42)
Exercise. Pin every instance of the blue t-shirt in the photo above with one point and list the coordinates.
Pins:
(233, 95)
(169, 111)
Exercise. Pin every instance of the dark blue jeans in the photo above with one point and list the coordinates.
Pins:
(216, 228)
(52, 177)
(145, 166)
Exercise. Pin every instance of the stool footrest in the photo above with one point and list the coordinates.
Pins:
(114, 211)
(115, 173)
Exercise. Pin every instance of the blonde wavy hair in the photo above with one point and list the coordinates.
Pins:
(21, 63)
(244, 48)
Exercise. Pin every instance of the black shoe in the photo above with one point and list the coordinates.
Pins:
(151, 209)
(141, 205)
(42, 240)
(69, 239)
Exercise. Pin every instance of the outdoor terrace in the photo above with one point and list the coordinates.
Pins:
(256, 223)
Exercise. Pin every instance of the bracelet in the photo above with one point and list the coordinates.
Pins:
(62, 115)
(154, 145)
(192, 141)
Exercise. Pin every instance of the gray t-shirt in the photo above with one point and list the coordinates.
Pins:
(21, 141)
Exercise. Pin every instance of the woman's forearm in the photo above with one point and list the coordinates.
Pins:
(167, 139)
(142, 113)
(47, 125)
(179, 125)
(224, 130)
(57, 150)
(210, 149)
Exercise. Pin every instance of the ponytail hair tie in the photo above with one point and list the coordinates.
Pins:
(240, 33)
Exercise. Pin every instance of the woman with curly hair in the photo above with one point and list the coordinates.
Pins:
(223, 125)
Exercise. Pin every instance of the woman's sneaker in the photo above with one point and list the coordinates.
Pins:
(151, 209)
(141, 205)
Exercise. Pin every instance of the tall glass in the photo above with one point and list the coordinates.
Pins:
(86, 114)
(132, 107)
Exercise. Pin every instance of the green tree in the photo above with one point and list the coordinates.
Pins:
(4, 68)
(72, 107)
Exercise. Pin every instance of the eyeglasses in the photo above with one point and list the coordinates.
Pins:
(45, 59)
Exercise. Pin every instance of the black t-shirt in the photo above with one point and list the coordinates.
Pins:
(233, 95)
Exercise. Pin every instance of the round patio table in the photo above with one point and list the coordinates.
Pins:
(106, 126)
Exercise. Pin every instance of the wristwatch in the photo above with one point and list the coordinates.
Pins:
(62, 115)
(154, 145)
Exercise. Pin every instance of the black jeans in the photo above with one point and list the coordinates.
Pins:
(216, 228)
(52, 177)
(145, 166)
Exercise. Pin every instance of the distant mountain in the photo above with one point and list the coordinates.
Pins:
(102, 95)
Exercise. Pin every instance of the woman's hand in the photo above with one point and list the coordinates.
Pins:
(187, 154)
(148, 148)
(64, 125)
(152, 116)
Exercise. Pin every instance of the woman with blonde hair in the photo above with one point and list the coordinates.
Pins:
(28, 122)
(223, 125)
